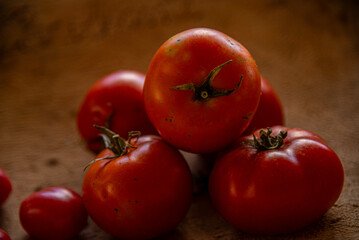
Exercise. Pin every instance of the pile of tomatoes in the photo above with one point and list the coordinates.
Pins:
(202, 94)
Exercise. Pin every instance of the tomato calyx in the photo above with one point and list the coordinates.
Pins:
(116, 144)
(205, 91)
(266, 141)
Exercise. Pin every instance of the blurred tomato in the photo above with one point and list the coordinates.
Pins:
(4, 235)
(116, 102)
(5, 186)
(269, 112)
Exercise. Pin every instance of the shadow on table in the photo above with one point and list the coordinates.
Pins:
(320, 229)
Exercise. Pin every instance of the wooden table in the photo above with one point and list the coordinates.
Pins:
(51, 52)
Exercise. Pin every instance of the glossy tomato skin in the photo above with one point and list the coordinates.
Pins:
(140, 195)
(188, 57)
(118, 95)
(55, 213)
(5, 187)
(276, 191)
(270, 110)
(4, 235)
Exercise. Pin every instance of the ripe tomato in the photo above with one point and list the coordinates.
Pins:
(269, 112)
(5, 187)
(116, 101)
(4, 235)
(142, 192)
(53, 213)
(201, 90)
(276, 184)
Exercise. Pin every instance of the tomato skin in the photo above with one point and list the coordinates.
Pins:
(276, 191)
(270, 110)
(140, 195)
(5, 187)
(53, 213)
(4, 235)
(188, 57)
(119, 94)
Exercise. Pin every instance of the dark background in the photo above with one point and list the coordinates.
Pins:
(51, 52)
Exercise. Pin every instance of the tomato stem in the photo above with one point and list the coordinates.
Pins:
(266, 141)
(205, 91)
(116, 144)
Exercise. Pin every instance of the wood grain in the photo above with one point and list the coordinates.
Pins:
(51, 52)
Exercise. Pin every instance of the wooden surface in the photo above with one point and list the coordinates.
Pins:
(51, 52)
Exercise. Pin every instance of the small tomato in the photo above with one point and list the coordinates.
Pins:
(55, 213)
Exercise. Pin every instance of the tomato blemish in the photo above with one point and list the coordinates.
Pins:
(242, 60)
(230, 42)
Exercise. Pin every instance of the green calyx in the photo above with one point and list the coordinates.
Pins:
(266, 141)
(116, 144)
(205, 91)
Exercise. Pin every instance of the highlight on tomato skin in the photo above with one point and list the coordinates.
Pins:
(270, 109)
(140, 192)
(115, 101)
(201, 90)
(5, 187)
(278, 182)
(55, 213)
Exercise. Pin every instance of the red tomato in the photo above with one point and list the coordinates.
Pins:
(269, 112)
(55, 213)
(276, 186)
(4, 235)
(116, 101)
(5, 187)
(141, 194)
(201, 90)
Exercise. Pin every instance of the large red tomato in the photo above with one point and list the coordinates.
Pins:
(55, 213)
(201, 90)
(5, 187)
(276, 184)
(269, 112)
(116, 101)
(142, 192)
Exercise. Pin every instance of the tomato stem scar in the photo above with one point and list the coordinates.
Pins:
(205, 91)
